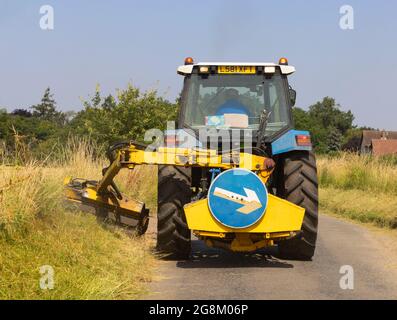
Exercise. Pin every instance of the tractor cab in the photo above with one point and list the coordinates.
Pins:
(234, 96)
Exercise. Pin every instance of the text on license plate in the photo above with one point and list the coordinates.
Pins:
(237, 69)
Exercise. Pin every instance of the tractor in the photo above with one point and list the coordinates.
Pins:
(233, 172)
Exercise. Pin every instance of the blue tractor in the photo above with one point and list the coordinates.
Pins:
(247, 102)
(234, 172)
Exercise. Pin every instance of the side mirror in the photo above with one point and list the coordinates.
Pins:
(292, 96)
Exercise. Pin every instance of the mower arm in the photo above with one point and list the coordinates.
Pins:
(104, 194)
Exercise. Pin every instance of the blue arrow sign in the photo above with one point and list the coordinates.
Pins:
(237, 198)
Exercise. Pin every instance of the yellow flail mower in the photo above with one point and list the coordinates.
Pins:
(235, 173)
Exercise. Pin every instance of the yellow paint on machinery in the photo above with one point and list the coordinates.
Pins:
(282, 219)
(195, 158)
(88, 195)
(128, 157)
(281, 215)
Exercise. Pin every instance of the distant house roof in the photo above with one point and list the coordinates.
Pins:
(381, 147)
(369, 135)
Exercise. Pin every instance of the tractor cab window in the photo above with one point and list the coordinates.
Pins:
(235, 101)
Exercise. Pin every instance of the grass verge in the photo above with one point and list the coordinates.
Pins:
(378, 209)
(90, 261)
(359, 188)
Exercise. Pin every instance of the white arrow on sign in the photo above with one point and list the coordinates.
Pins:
(251, 201)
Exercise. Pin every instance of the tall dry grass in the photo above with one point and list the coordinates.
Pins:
(351, 171)
(36, 190)
(90, 261)
(363, 188)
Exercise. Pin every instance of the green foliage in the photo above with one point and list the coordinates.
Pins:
(130, 113)
(352, 140)
(327, 123)
(46, 109)
(334, 142)
(128, 116)
(26, 136)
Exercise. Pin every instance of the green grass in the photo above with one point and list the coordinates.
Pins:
(360, 188)
(89, 262)
(36, 228)
(375, 208)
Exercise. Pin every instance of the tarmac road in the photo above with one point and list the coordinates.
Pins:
(216, 274)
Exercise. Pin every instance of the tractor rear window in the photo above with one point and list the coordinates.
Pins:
(235, 101)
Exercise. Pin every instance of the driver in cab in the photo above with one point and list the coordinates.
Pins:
(232, 104)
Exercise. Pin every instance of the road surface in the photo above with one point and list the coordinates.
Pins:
(216, 274)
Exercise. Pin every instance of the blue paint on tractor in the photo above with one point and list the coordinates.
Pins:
(214, 172)
(287, 142)
(237, 198)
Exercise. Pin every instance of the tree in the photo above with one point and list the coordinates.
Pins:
(302, 119)
(328, 113)
(327, 123)
(22, 112)
(334, 141)
(37, 131)
(128, 116)
(46, 109)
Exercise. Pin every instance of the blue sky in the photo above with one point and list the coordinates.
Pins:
(116, 42)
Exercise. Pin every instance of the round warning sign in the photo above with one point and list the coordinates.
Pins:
(237, 198)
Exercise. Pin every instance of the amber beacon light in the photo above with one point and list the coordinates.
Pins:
(189, 60)
(283, 61)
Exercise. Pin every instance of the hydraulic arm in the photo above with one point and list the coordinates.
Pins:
(105, 195)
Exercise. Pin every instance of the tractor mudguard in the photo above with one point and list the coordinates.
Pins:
(293, 140)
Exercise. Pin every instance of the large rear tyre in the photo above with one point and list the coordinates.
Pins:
(298, 184)
(173, 234)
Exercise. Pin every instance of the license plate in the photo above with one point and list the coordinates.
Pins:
(237, 69)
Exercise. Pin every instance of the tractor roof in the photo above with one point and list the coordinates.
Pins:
(188, 68)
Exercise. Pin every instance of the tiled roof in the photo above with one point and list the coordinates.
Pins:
(369, 135)
(384, 147)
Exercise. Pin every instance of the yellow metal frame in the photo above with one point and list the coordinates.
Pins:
(194, 158)
(101, 195)
(280, 215)
(130, 156)
(281, 220)
(89, 195)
